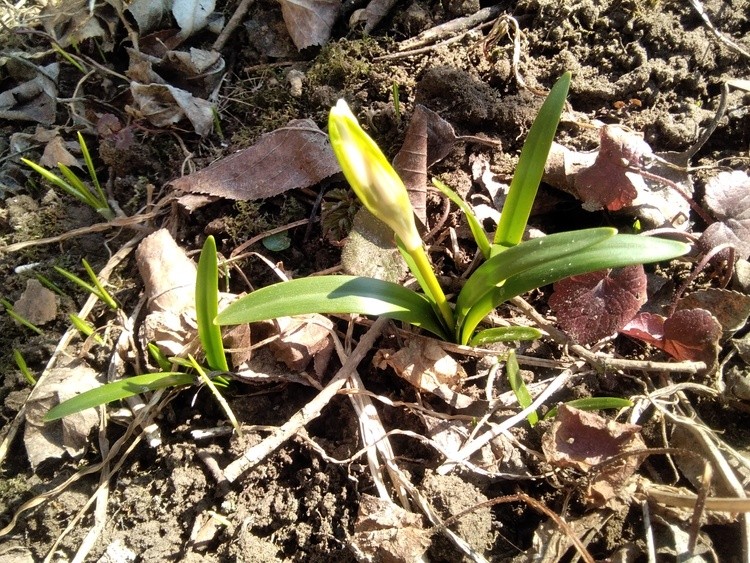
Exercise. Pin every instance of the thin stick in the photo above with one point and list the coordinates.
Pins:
(255, 454)
(232, 24)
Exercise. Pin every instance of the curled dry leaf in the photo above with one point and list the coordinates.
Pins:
(296, 156)
(386, 532)
(596, 305)
(69, 435)
(689, 334)
(33, 100)
(583, 440)
(429, 368)
(309, 22)
(70, 22)
(304, 339)
(164, 105)
(192, 15)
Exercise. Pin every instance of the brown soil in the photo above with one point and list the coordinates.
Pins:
(652, 66)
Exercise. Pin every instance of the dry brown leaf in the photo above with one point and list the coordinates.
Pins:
(56, 152)
(730, 308)
(69, 22)
(385, 532)
(33, 100)
(164, 105)
(37, 304)
(303, 339)
(69, 435)
(296, 156)
(192, 15)
(584, 440)
(429, 368)
(309, 22)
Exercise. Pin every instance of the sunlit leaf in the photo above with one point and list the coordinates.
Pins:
(207, 306)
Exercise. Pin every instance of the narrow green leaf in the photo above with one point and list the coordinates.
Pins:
(480, 237)
(51, 177)
(505, 334)
(519, 387)
(593, 404)
(18, 318)
(92, 171)
(25, 371)
(85, 328)
(528, 174)
(118, 390)
(81, 192)
(334, 294)
(521, 257)
(216, 393)
(158, 356)
(207, 306)
(614, 252)
(101, 292)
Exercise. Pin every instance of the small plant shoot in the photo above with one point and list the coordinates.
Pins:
(511, 267)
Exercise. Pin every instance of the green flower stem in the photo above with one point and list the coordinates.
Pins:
(422, 263)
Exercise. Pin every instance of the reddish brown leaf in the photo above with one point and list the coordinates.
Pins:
(689, 334)
(584, 439)
(592, 306)
(730, 308)
(609, 182)
(295, 156)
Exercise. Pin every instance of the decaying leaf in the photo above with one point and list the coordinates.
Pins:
(689, 334)
(385, 532)
(56, 152)
(596, 305)
(309, 22)
(429, 368)
(583, 440)
(370, 16)
(164, 105)
(608, 182)
(304, 339)
(69, 435)
(728, 199)
(411, 163)
(296, 156)
(610, 178)
(70, 22)
(33, 100)
(370, 250)
(730, 308)
(149, 14)
(196, 71)
(37, 304)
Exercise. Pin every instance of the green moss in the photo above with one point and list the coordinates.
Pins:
(343, 63)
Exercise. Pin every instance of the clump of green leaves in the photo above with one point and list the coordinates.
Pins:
(72, 185)
(511, 267)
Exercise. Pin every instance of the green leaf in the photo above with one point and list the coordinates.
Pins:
(334, 294)
(277, 242)
(521, 257)
(541, 269)
(593, 404)
(480, 237)
(118, 390)
(207, 306)
(519, 387)
(505, 334)
(528, 174)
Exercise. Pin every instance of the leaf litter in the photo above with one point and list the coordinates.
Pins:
(177, 88)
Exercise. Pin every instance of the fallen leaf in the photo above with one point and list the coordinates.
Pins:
(69, 435)
(56, 152)
(309, 22)
(429, 368)
(689, 334)
(149, 14)
(303, 339)
(730, 308)
(728, 198)
(296, 156)
(370, 16)
(192, 15)
(33, 100)
(593, 306)
(164, 105)
(70, 22)
(583, 440)
(37, 304)
(608, 182)
(385, 532)
(370, 250)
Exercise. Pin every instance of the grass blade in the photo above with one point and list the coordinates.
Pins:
(118, 390)
(519, 387)
(207, 306)
(334, 294)
(505, 334)
(593, 404)
(480, 237)
(528, 174)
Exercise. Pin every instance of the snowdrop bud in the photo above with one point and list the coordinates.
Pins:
(373, 179)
